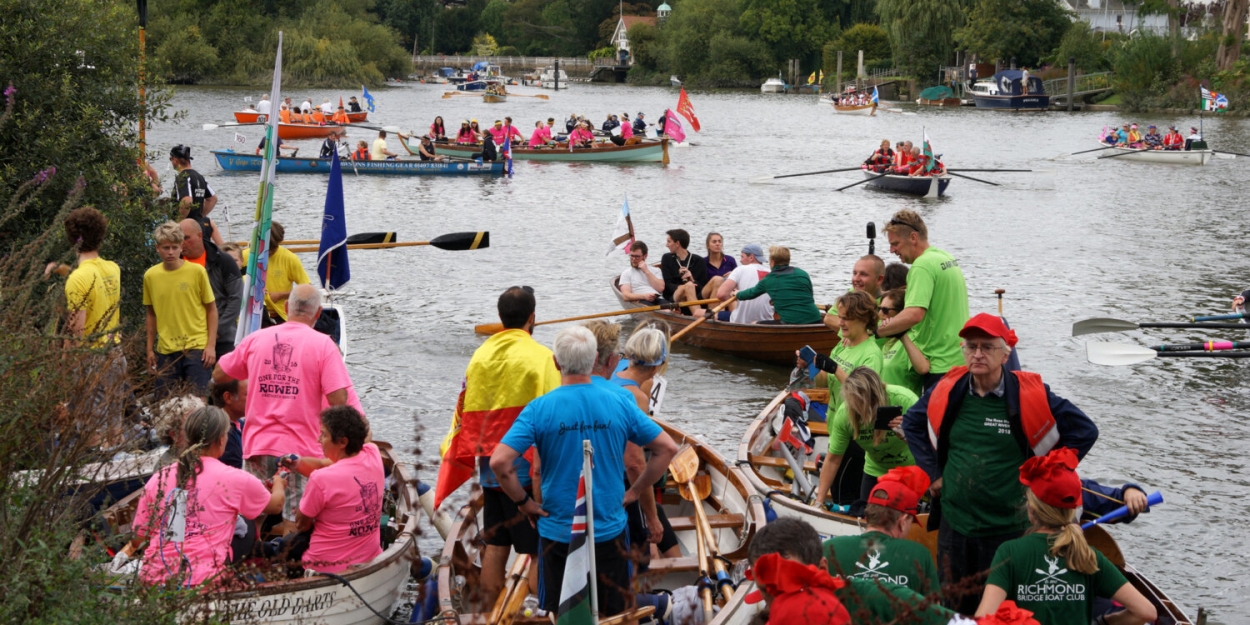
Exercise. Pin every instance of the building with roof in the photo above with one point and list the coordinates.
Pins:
(1116, 16)
(620, 39)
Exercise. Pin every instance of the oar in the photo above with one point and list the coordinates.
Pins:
(1093, 150)
(702, 485)
(974, 179)
(231, 125)
(495, 328)
(807, 173)
(1122, 153)
(1231, 153)
(1153, 499)
(1103, 324)
(862, 182)
(683, 467)
(1120, 354)
(355, 239)
(539, 96)
(1004, 171)
(1227, 317)
(508, 604)
(719, 307)
(1209, 346)
(455, 242)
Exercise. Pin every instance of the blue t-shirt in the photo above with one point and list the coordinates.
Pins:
(486, 475)
(556, 424)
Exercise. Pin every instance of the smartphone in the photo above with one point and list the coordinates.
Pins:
(809, 356)
(886, 414)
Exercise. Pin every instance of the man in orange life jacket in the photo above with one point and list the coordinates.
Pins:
(970, 433)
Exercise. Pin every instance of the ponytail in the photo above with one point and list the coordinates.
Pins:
(202, 429)
(1069, 540)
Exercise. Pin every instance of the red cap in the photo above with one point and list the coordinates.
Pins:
(1053, 478)
(900, 489)
(1008, 613)
(990, 325)
(802, 593)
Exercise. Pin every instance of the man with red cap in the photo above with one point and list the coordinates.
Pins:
(971, 433)
(883, 552)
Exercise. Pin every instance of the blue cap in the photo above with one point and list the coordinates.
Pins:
(753, 249)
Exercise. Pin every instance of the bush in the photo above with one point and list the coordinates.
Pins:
(185, 57)
(1081, 42)
(1144, 70)
(870, 38)
(736, 61)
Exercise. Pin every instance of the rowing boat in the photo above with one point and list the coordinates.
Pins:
(733, 510)
(1168, 157)
(296, 132)
(862, 109)
(773, 343)
(940, 95)
(252, 117)
(644, 151)
(317, 598)
(494, 98)
(924, 186)
(230, 160)
(770, 473)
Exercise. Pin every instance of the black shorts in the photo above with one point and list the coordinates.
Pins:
(638, 533)
(611, 565)
(504, 525)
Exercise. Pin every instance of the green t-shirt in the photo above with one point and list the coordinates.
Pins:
(892, 452)
(790, 289)
(873, 601)
(875, 555)
(898, 370)
(981, 490)
(936, 283)
(866, 354)
(1042, 583)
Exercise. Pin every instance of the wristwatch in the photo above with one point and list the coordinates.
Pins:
(528, 497)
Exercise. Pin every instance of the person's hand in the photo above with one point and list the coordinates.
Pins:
(818, 501)
(686, 276)
(1135, 500)
(650, 297)
(151, 360)
(47, 271)
(209, 357)
(896, 422)
(289, 461)
(883, 323)
(1238, 301)
(935, 489)
(631, 496)
(655, 529)
(532, 510)
(119, 562)
(279, 481)
(799, 362)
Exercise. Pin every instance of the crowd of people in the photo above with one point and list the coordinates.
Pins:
(854, 98)
(1128, 136)
(305, 112)
(905, 159)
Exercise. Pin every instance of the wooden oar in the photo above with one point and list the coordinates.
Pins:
(511, 597)
(1120, 354)
(456, 242)
(702, 486)
(495, 328)
(231, 125)
(862, 182)
(1231, 153)
(995, 184)
(1099, 325)
(1003, 171)
(520, 95)
(1098, 538)
(1228, 317)
(719, 307)
(359, 238)
(683, 467)
(806, 173)
(1093, 150)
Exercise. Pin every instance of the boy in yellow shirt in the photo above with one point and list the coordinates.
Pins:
(285, 271)
(181, 310)
(93, 291)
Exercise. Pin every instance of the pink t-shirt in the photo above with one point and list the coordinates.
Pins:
(537, 137)
(345, 498)
(498, 134)
(289, 368)
(627, 131)
(216, 496)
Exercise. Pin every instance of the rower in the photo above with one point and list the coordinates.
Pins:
(1193, 136)
(640, 126)
(538, 138)
(747, 275)
(340, 117)
(902, 159)
(437, 131)
(260, 147)
(684, 272)
(262, 107)
(327, 109)
(379, 152)
(639, 282)
(512, 132)
(1173, 139)
(330, 145)
(1153, 139)
(306, 106)
(582, 137)
(718, 264)
(425, 150)
(352, 105)
(880, 159)
(284, 114)
(362, 151)
(790, 289)
(466, 136)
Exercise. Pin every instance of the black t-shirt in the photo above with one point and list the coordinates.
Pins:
(488, 150)
(429, 147)
(353, 107)
(328, 147)
(189, 183)
(670, 269)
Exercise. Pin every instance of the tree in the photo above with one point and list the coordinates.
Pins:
(485, 45)
(1026, 30)
(1080, 43)
(1234, 34)
(870, 38)
(921, 32)
(791, 29)
(492, 18)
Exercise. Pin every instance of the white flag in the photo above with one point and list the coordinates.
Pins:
(623, 234)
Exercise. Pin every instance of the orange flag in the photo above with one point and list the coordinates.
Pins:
(687, 109)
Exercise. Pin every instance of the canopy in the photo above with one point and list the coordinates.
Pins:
(939, 92)
(480, 65)
(1008, 81)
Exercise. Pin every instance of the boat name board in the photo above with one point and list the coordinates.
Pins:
(257, 609)
(393, 165)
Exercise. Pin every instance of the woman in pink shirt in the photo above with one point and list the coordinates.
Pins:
(466, 136)
(342, 502)
(188, 510)
(582, 137)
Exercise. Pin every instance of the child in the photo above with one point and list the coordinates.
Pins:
(181, 310)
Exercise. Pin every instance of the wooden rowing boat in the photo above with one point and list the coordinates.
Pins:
(317, 598)
(923, 186)
(865, 109)
(773, 343)
(644, 151)
(940, 95)
(1166, 157)
(771, 476)
(230, 160)
(494, 98)
(251, 117)
(734, 513)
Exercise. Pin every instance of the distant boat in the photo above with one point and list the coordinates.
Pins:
(548, 79)
(940, 95)
(235, 161)
(674, 81)
(774, 85)
(1004, 92)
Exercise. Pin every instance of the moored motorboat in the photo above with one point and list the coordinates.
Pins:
(855, 109)
(733, 510)
(1168, 157)
(772, 343)
(237, 161)
(774, 85)
(252, 117)
(924, 186)
(1004, 92)
(643, 151)
(674, 81)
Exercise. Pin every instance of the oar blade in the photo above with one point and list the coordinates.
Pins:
(1118, 354)
(1099, 325)
(461, 241)
(488, 328)
(372, 237)
(685, 464)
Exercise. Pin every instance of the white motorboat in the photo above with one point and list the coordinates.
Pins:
(774, 85)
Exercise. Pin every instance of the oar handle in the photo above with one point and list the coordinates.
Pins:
(1153, 499)
(1213, 326)
(1228, 317)
(1209, 346)
(700, 320)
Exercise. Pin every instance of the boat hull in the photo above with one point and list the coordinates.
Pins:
(296, 132)
(1012, 102)
(771, 343)
(1167, 157)
(942, 102)
(923, 186)
(234, 161)
(644, 152)
(251, 117)
(494, 98)
(867, 109)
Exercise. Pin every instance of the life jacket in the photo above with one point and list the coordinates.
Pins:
(318, 117)
(285, 116)
(340, 117)
(1173, 138)
(361, 154)
(1040, 429)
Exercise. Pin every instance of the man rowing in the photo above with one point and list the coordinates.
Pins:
(789, 287)
(1153, 140)
(748, 273)
(1173, 139)
(639, 283)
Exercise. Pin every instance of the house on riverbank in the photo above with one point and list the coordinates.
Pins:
(1116, 16)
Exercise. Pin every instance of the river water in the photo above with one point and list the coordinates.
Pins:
(1082, 239)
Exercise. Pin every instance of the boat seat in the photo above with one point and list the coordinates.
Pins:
(682, 563)
(772, 461)
(716, 521)
(818, 428)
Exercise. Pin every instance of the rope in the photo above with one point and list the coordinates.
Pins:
(379, 614)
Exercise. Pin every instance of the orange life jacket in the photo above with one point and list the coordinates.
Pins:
(340, 118)
(319, 117)
(1035, 417)
(361, 154)
(285, 116)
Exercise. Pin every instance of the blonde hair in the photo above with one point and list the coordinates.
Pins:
(864, 392)
(171, 413)
(779, 255)
(169, 232)
(666, 330)
(607, 338)
(1069, 540)
(908, 219)
(646, 345)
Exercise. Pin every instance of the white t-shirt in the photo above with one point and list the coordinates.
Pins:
(327, 108)
(262, 107)
(306, 105)
(637, 281)
(752, 310)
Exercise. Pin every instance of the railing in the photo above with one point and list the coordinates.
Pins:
(459, 61)
(1085, 84)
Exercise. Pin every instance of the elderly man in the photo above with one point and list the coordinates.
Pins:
(937, 297)
(790, 289)
(640, 283)
(684, 272)
(867, 275)
(971, 433)
(556, 424)
(224, 278)
(747, 274)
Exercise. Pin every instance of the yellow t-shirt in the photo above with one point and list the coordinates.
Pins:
(378, 152)
(285, 271)
(96, 287)
(178, 298)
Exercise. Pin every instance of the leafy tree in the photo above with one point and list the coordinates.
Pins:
(735, 60)
(485, 45)
(492, 18)
(412, 19)
(457, 26)
(1027, 30)
(790, 29)
(1081, 43)
(870, 38)
(921, 32)
(1143, 67)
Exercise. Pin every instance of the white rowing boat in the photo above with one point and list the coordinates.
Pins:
(1167, 157)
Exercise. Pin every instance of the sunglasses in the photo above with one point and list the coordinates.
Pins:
(886, 309)
(895, 222)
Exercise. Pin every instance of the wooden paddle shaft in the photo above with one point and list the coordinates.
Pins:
(361, 246)
(700, 302)
(705, 593)
(709, 540)
(700, 320)
(999, 293)
(516, 577)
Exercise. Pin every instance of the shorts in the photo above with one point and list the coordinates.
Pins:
(503, 525)
(263, 467)
(611, 565)
(636, 525)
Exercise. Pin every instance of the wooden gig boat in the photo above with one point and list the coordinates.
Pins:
(924, 186)
(251, 117)
(235, 161)
(1167, 157)
(734, 512)
(865, 109)
(296, 132)
(773, 343)
(644, 151)
(494, 98)
(772, 476)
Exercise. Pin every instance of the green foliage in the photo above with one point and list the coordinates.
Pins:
(608, 52)
(870, 38)
(790, 29)
(736, 61)
(1154, 72)
(185, 56)
(508, 51)
(1027, 30)
(485, 45)
(1081, 43)
(921, 33)
(492, 18)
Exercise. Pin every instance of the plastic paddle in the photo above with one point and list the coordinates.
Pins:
(1228, 317)
(455, 242)
(1153, 499)
(1120, 354)
(495, 328)
(862, 182)
(1105, 324)
(719, 307)
(806, 173)
(974, 179)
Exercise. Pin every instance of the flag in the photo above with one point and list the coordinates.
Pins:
(507, 154)
(687, 109)
(1212, 101)
(672, 126)
(254, 295)
(578, 586)
(623, 233)
(930, 162)
(368, 97)
(875, 99)
(332, 265)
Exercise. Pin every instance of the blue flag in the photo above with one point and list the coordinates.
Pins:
(874, 96)
(332, 266)
(368, 97)
(507, 153)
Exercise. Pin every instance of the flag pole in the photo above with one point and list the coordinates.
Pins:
(588, 463)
